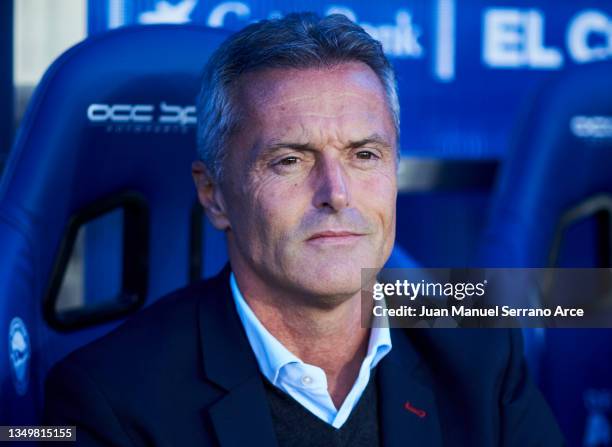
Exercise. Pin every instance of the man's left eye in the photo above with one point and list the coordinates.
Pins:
(288, 161)
(366, 155)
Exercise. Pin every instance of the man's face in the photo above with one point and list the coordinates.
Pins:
(310, 179)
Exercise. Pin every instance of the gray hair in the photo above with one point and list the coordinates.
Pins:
(299, 40)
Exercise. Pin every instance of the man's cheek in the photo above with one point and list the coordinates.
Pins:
(379, 182)
(381, 202)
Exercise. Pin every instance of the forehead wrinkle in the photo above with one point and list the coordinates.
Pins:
(317, 126)
(323, 115)
(315, 97)
(331, 128)
(320, 139)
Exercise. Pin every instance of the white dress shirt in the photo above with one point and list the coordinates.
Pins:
(307, 384)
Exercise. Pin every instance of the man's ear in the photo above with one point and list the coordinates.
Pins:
(210, 195)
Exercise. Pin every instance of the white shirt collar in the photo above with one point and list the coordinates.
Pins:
(272, 356)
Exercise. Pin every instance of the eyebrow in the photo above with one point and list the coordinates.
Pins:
(373, 139)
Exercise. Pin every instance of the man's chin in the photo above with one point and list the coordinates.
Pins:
(329, 280)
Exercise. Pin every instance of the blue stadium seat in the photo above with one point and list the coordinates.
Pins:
(552, 208)
(109, 132)
(560, 159)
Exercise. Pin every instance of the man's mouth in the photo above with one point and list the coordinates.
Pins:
(334, 237)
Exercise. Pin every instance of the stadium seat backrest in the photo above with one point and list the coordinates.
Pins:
(552, 208)
(560, 158)
(111, 126)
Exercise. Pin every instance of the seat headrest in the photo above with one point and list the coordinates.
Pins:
(113, 113)
(561, 155)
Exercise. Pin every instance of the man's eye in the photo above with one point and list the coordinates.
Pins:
(288, 161)
(366, 155)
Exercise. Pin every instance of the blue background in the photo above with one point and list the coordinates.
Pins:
(469, 115)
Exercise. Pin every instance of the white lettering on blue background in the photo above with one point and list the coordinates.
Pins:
(514, 38)
(216, 18)
(511, 38)
(582, 26)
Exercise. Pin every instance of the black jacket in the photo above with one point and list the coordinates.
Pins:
(182, 373)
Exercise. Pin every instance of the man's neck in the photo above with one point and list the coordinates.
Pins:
(330, 337)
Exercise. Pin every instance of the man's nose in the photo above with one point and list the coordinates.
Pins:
(332, 185)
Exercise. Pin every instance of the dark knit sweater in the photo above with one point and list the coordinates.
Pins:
(295, 426)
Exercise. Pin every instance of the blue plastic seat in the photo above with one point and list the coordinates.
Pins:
(560, 159)
(110, 127)
(553, 208)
